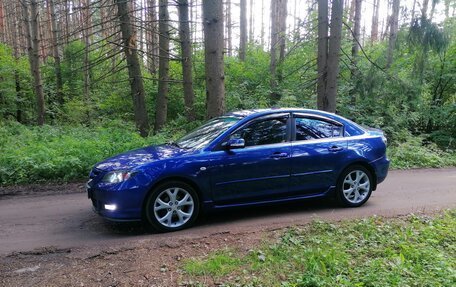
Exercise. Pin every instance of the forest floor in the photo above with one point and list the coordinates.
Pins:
(50, 236)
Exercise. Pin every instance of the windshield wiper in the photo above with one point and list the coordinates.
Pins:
(173, 143)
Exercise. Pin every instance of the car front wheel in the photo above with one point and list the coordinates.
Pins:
(354, 187)
(172, 206)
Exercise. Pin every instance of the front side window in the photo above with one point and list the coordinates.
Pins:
(269, 131)
(309, 129)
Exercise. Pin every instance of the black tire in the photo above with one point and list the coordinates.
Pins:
(349, 200)
(150, 215)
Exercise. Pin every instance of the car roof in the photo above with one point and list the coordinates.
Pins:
(253, 113)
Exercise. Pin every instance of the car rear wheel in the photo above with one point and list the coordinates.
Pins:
(172, 206)
(354, 187)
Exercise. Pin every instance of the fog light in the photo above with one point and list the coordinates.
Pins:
(110, 206)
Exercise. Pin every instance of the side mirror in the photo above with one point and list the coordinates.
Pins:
(234, 143)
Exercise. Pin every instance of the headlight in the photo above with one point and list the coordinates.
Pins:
(385, 140)
(116, 176)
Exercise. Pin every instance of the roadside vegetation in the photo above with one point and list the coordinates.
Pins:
(68, 152)
(65, 153)
(78, 107)
(410, 251)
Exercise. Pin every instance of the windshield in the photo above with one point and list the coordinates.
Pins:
(207, 132)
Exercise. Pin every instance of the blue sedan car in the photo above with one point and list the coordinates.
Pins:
(243, 158)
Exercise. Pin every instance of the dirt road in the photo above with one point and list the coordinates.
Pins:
(66, 220)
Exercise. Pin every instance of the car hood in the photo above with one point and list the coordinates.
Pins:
(135, 158)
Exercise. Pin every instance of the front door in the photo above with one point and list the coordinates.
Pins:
(260, 170)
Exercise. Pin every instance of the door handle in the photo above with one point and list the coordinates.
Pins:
(279, 155)
(335, 148)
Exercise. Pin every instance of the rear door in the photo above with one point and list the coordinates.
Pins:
(317, 153)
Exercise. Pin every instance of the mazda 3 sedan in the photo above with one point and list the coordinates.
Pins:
(243, 158)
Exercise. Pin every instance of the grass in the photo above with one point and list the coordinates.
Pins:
(220, 263)
(409, 251)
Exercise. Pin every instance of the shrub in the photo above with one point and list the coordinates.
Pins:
(31, 154)
(413, 153)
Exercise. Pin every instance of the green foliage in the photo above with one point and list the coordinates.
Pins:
(414, 101)
(411, 251)
(10, 99)
(247, 83)
(31, 154)
(413, 153)
(427, 35)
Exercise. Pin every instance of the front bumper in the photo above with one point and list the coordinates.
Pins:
(127, 202)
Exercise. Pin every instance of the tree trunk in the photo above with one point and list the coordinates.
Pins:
(422, 59)
(355, 48)
(141, 27)
(374, 27)
(213, 52)
(424, 8)
(16, 35)
(447, 8)
(262, 23)
(86, 19)
(201, 19)
(412, 17)
(394, 20)
(2, 23)
(161, 105)
(192, 21)
(152, 37)
(56, 54)
(282, 38)
(184, 34)
(322, 57)
(352, 11)
(33, 43)
(75, 22)
(148, 34)
(431, 16)
(296, 24)
(356, 32)
(41, 36)
(243, 30)
(67, 21)
(134, 69)
(7, 22)
(251, 23)
(278, 30)
(333, 56)
(155, 38)
(273, 50)
(229, 24)
(195, 21)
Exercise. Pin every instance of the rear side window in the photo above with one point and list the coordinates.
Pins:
(309, 129)
(264, 132)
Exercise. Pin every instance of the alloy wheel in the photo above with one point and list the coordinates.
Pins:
(173, 207)
(356, 186)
